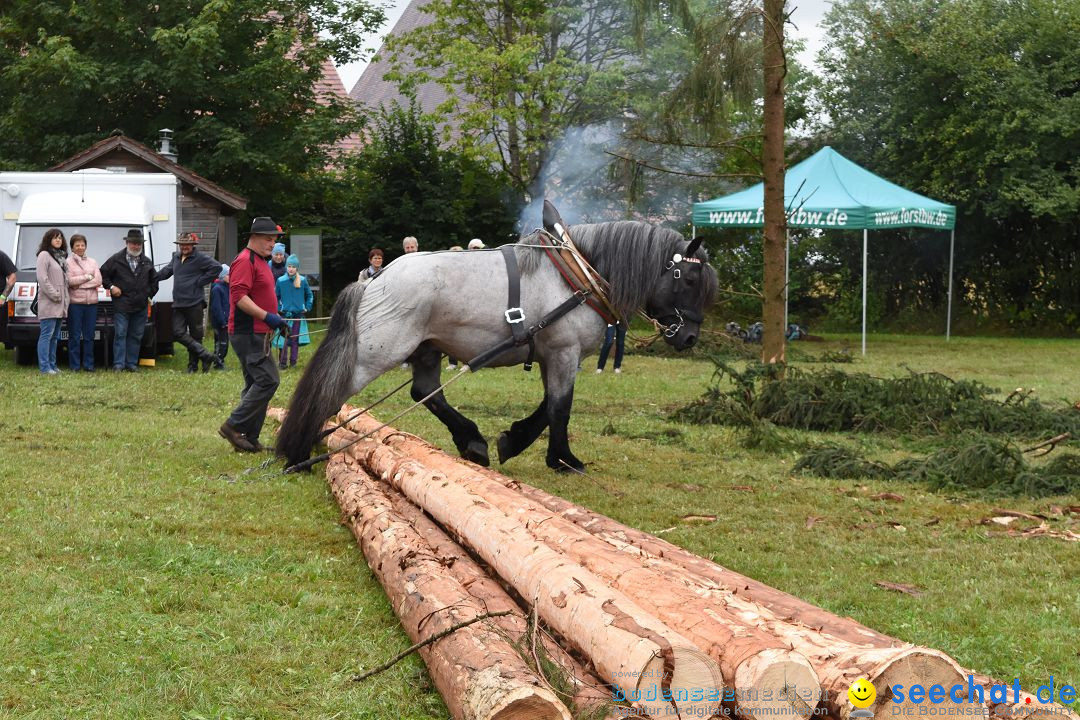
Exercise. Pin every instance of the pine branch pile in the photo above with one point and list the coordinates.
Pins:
(976, 462)
(832, 400)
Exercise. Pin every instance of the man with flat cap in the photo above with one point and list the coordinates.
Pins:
(191, 272)
(131, 280)
(252, 318)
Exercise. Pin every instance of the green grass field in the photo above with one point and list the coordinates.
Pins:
(148, 571)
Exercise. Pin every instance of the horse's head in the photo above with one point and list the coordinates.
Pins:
(687, 287)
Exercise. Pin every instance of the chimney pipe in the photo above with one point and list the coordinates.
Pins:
(166, 144)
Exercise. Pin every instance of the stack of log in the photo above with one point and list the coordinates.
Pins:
(600, 618)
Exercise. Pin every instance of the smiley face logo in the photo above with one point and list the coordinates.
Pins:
(862, 693)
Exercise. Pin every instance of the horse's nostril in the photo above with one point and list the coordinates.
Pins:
(690, 340)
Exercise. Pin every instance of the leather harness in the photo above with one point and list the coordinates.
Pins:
(589, 288)
(578, 273)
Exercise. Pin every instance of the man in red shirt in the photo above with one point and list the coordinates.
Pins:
(252, 302)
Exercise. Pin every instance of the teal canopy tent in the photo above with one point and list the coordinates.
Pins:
(830, 192)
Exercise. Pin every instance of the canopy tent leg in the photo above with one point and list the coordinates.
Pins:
(948, 311)
(787, 262)
(693, 231)
(864, 291)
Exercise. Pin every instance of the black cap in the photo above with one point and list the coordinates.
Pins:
(134, 235)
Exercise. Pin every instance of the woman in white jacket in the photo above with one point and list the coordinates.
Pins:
(52, 297)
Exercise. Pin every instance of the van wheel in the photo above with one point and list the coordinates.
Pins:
(26, 354)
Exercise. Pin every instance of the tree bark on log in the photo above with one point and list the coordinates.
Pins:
(477, 672)
(838, 662)
(781, 604)
(656, 668)
(714, 577)
(590, 695)
(767, 680)
(588, 692)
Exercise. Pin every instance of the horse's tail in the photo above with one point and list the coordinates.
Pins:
(326, 382)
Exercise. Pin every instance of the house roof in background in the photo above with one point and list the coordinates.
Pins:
(372, 91)
(122, 142)
(330, 85)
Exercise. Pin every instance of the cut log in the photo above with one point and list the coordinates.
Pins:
(589, 695)
(769, 681)
(477, 672)
(658, 670)
(784, 606)
(789, 607)
(837, 660)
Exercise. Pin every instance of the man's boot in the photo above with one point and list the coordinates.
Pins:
(210, 359)
(237, 439)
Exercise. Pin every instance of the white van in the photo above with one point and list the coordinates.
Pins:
(103, 206)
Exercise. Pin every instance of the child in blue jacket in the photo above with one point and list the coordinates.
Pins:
(294, 301)
(219, 315)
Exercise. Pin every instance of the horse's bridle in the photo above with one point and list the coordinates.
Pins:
(681, 316)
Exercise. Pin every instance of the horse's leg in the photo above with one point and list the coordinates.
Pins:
(426, 365)
(559, 374)
(523, 433)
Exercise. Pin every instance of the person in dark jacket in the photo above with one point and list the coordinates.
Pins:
(219, 315)
(277, 260)
(191, 271)
(131, 280)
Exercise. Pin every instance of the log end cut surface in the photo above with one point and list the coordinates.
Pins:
(777, 685)
(918, 666)
(490, 698)
(695, 690)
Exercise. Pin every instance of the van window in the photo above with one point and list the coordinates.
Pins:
(101, 241)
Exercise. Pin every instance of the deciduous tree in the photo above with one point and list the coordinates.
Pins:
(977, 103)
(235, 80)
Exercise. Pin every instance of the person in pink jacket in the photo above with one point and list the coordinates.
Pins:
(52, 297)
(84, 279)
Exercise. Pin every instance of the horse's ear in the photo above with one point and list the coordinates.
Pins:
(553, 222)
(692, 247)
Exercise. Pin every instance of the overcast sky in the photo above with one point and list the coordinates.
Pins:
(805, 14)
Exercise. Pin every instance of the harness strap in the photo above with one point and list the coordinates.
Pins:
(514, 315)
(578, 298)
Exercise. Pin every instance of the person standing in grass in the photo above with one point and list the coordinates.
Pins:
(84, 279)
(131, 280)
(52, 297)
(7, 276)
(191, 271)
(219, 316)
(614, 334)
(294, 302)
(252, 302)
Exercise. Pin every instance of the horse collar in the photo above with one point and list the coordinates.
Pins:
(579, 274)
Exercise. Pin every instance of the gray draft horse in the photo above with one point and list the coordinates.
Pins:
(426, 304)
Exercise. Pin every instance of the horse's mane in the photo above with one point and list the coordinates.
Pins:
(631, 256)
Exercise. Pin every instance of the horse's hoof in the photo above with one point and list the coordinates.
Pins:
(476, 451)
(505, 447)
(560, 465)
